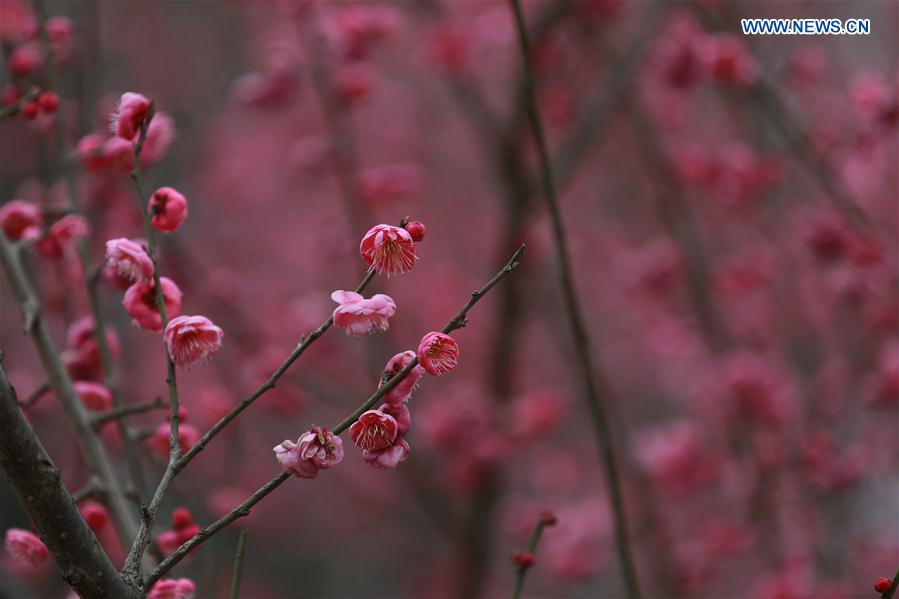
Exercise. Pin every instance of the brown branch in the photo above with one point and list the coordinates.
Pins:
(59, 380)
(35, 395)
(456, 322)
(36, 480)
(523, 567)
(128, 410)
(91, 489)
(593, 380)
(269, 384)
(132, 562)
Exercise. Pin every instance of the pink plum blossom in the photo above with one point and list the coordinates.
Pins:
(140, 303)
(171, 588)
(158, 444)
(94, 514)
(160, 134)
(438, 353)
(131, 112)
(402, 391)
(129, 259)
(62, 236)
(168, 209)
(388, 249)
(374, 430)
(317, 449)
(192, 340)
(389, 457)
(20, 220)
(26, 546)
(357, 315)
(94, 396)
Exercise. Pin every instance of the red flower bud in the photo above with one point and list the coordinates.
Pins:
(29, 110)
(48, 102)
(181, 518)
(416, 230)
(524, 560)
(882, 585)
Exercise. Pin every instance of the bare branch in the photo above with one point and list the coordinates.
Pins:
(269, 384)
(456, 322)
(129, 410)
(133, 560)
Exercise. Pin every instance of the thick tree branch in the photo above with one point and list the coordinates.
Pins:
(36, 480)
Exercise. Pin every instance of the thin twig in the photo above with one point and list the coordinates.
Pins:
(456, 322)
(129, 410)
(149, 514)
(523, 568)
(592, 380)
(675, 213)
(93, 488)
(35, 395)
(269, 384)
(238, 565)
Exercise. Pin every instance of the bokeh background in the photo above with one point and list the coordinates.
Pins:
(731, 203)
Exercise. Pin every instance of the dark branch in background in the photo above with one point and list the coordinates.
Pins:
(523, 566)
(790, 128)
(59, 380)
(342, 149)
(499, 138)
(35, 478)
(675, 213)
(593, 381)
(615, 88)
(238, 565)
(342, 139)
(456, 322)
(129, 410)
